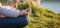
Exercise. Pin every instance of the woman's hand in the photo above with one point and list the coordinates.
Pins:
(1, 16)
(25, 12)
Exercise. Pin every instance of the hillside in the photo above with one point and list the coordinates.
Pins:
(41, 17)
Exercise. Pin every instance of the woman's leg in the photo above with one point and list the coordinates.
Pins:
(22, 21)
(18, 22)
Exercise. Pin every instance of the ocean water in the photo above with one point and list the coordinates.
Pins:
(54, 6)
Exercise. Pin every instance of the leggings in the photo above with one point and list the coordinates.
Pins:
(18, 22)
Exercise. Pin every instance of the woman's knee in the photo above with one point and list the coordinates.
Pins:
(24, 21)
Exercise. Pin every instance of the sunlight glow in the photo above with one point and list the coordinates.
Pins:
(0, 4)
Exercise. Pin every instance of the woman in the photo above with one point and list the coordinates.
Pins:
(12, 18)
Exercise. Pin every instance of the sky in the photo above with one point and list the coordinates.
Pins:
(54, 6)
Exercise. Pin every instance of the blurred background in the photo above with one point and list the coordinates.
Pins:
(52, 5)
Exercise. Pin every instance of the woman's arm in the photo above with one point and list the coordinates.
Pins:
(9, 12)
(12, 12)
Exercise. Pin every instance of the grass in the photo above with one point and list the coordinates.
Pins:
(42, 18)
